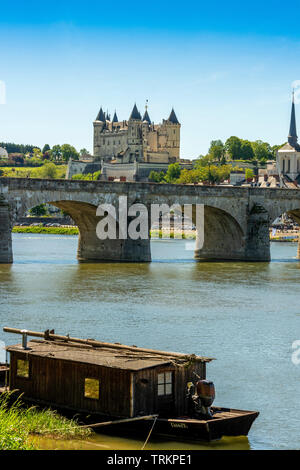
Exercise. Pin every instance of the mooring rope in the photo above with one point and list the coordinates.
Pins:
(148, 437)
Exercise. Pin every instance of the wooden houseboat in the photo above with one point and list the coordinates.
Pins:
(127, 385)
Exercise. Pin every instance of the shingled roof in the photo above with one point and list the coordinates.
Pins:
(100, 115)
(135, 114)
(173, 118)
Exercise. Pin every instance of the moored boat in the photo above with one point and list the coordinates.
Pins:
(122, 388)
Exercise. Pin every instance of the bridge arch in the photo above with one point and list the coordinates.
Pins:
(83, 211)
(224, 237)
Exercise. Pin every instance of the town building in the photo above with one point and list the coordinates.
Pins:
(285, 172)
(288, 156)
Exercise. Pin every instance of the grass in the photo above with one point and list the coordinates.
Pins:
(30, 172)
(75, 231)
(18, 423)
(49, 230)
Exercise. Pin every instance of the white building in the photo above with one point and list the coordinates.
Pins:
(3, 153)
(288, 156)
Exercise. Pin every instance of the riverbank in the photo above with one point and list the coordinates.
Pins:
(19, 424)
(47, 230)
(187, 235)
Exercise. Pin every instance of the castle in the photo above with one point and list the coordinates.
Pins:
(130, 150)
(136, 140)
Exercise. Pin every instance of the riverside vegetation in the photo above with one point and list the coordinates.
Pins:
(19, 424)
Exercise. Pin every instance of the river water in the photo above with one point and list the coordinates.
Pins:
(247, 315)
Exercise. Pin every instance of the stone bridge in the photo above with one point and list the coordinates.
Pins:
(236, 227)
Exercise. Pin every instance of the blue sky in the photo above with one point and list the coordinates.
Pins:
(226, 67)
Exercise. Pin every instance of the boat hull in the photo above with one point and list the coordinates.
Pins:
(225, 422)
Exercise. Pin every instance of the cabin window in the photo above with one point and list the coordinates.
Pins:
(164, 383)
(22, 368)
(91, 388)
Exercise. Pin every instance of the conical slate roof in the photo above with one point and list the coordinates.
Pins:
(115, 118)
(292, 137)
(146, 117)
(173, 118)
(135, 114)
(100, 116)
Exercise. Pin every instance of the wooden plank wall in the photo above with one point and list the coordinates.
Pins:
(146, 400)
(62, 383)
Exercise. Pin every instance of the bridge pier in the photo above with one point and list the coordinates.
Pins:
(257, 235)
(225, 239)
(91, 248)
(6, 254)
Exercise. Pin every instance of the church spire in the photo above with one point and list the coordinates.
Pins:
(292, 137)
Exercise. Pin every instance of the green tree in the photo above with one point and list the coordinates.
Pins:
(156, 176)
(173, 172)
(68, 151)
(246, 151)
(56, 152)
(203, 160)
(36, 153)
(249, 173)
(48, 171)
(46, 148)
(217, 150)
(38, 211)
(233, 147)
(262, 150)
(83, 152)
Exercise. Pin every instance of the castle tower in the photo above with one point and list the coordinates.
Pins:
(288, 156)
(172, 126)
(99, 125)
(135, 139)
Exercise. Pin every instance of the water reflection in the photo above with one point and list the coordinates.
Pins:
(245, 314)
(106, 442)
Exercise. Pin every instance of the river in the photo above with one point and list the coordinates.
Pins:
(247, 315)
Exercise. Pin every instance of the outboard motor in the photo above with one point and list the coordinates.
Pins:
(201, 396)
(206, 392)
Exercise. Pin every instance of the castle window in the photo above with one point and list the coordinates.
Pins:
(289, 166)
(283, 166)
